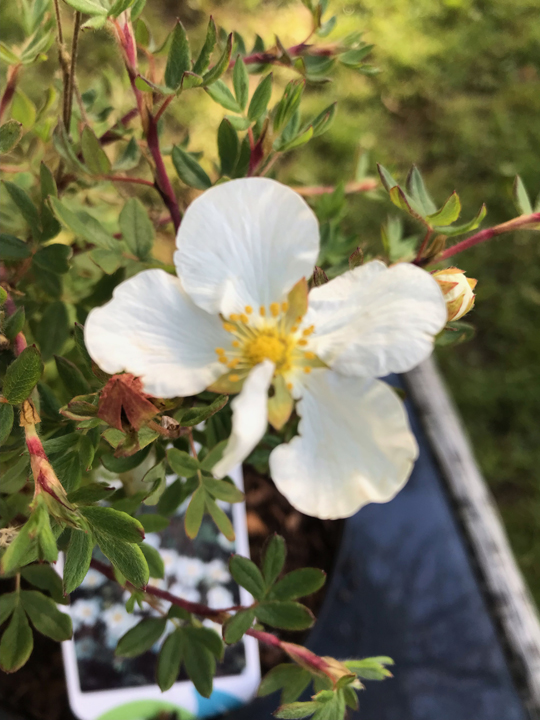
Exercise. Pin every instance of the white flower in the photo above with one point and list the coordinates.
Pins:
(118, 621)
(189, 571)
(84, 612)
(219, 598)
(170, 558)
(185, 592)
(237, 320)
(153, 539)
(216, 573)
(93, 580)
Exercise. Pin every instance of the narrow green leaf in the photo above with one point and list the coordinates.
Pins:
(417, 190)
(213, 456)
(228, 146)
(386, 178)
(222, 490)
(68, 468)
(195, 512)
(78, 557)
(288, 104)
(223, 523)
(370, 668)
(300, 139)
(175, 494)
(453, 230)
(403, 202)
(10, 134)
(323, 121)
(6, 422)
(238, 625)
(290, 678)
(286, 615)
(17, 642)
(8, 603)
(296, 710)
(222, 64)
(189, 170)
(169, 660)
(200, 665)
(54, 258)
(115, 523)
(52, 331)
(126, 557)
(11, 248)
(94, 155)
(141, 637)
(195, 415)
(274, 556)
(182, 463)
(221, 94)
(152, 522)
(156, 566)
(449, 212)
(203, 61)
(179, 59)
(137, 229)
(90, 494)
(298, 583)
(248, 575)
(241, 82)
(207, 637)
(27, 208)
(73, 379)
(521, 197)
(120, 6)
(261, 98)
(22, 375)
(83, 225)
(14, 324)
(45, 616)
(90, 7)
(14, 478)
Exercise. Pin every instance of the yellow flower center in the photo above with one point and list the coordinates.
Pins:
(268, 346)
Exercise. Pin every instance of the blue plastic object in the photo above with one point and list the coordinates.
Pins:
(404, 586)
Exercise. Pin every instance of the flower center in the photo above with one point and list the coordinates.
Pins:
(268, 346)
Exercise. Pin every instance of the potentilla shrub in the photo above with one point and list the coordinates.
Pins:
(169, 316)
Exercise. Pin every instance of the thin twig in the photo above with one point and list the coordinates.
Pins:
(120, 178)
(163, 107)
(68, 102)
(353, 187)
(424, 245)
(11, 84)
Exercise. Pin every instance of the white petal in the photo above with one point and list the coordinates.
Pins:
(374, 320)
(153, 330)
(245, 242)
(250, 418)
(354, 447)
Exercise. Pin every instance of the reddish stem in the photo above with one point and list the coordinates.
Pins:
(11, 85)
(19, 343)
(517, 223)
(120, 178)
(163, 107)
(353, 187)
(163, 184)
(111, 135)
(423, 246)
(269, 57)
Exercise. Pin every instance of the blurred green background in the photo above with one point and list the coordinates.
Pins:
(459, 95)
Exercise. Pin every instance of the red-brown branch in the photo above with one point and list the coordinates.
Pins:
(11, 84)
(111, 135)
(274, 56)
(519, 223)
(120, 178)
(353, 187)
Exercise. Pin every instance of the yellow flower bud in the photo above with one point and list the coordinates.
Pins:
(457, 290)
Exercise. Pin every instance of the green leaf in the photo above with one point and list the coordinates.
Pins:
(370, 668)
(296, 710)
(195, 512)
(8, 603)
(68, 468)
(449, 212)
(52, 331)
(115, 523)
(91, 493)
(238, 625)
(203, 61)
(455, 333)
(274, 556)
(45, 616)
(14, 324)
(15, 477)
(417, 190)
(152, 522)
(71, 376)
(6, 423)
(223, 523)
(141, 637)
(124, 464)
(182, 463)
(94, 155)
(222, 64)
(175, 494)
(454, 230)
(207, 637)
(291, 679)
(78, 557)
(323, 121)
(195, 415)
(156, 566)
(22, 375)
(189, 170)
(226, 491)
(18, 549)
(288, 104)
(17, 642)
(298, 583)
(11, 248)
(169, 660)
(126, 557)
(27, 208)
(221, 94)
(521, 197)
(227, 147)
(53, 258)
(119, 6)
(248, 575)
(83, 225)
(23, 109)
(200, 664)
(261, 98)
(214, 456)
(241, 82)
(354, 58)
(286, 615)
(404, 202)
(107, 260)
(90, 7)
(179, 59)
(300, 139)
(137, 229)
(10, 134)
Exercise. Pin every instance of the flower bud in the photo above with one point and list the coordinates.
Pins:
(457, 290)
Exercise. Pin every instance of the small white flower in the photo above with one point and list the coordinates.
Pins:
(216, 573)
(85, 612)
(219, 598)
(153, 539)
(118, 621)
(170, 558)
(238, 319)
(185, 592)
(93, 580)
(189, 571)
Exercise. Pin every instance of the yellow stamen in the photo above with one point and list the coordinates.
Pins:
(274, 309)
(244, 318)
(302, 342)
(289, 386)
(234, 317)
(234, 362)
(307, 370)
(223, 359)
(235, 343)
(310, 355)
(262, 311)
(294, 329)
(219, 351)
(234, 378)
(309, 330)
(285, 306)
(248, 309)
(228, 327)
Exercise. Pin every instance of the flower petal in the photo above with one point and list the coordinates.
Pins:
(374, 320)
(354, 447)
(152, 329)
(245, 242)
(250, 418)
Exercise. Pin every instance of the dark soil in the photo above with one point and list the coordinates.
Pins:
(38, 691)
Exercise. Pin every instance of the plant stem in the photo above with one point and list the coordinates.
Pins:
(520, 223)
(11, 84)
(110, 135)
(19, 343)
(423, 246)
(163, 184)
(17, 582)
(119, 178)
(68, 95)
(353, 187)
(163, 107)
